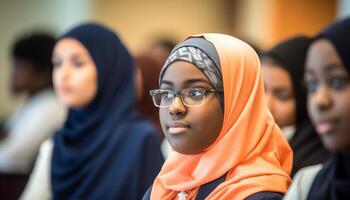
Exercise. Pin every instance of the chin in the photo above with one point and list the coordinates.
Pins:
(185, 151)
(334, 146)
(69, 103)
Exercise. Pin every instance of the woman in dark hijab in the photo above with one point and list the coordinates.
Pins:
(283, 69)
(327, 76)
(105, 150)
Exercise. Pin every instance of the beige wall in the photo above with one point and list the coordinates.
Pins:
(262, 21)
(287, 18)
(136, 21)
(267, 22)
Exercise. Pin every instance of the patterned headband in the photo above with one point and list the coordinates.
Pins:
(197, 57)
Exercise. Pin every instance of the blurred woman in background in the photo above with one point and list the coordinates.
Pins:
(283, 70)
(327, 77)
(105, 150)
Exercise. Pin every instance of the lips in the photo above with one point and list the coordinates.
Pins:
(177, 127)
(325, 127)
(62, 89)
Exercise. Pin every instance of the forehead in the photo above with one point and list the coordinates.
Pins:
(69, 46)
(181, 73)
(322, 56)
(275, 75)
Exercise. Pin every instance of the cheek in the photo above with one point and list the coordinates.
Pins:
(55, 78)
(311, 108)
(286, 113)
(163, 113)
(344, 115)
(85, 88)
(208, 125)
(82, 88)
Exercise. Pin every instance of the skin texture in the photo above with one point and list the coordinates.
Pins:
(328, 95)
(279, 94)
(197, 127)
(75, 73)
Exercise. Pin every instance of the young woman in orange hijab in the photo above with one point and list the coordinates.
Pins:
(213, 113)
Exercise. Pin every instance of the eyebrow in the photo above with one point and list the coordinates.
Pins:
(74, 55)
(327, 68)
(279, 89)
(187, 82)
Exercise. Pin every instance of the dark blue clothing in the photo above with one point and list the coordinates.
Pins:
(105, 150)
(333, 180)
(206, 189)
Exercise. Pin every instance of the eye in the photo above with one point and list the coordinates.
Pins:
(78, 63)
(338, 83)
(56, 63)
(311, 85)
(195, 92)
(283, 95)
(166, 95)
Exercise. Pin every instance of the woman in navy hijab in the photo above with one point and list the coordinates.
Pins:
(327, 78)
(104, 150)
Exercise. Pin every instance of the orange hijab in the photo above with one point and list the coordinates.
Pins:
(250, 147)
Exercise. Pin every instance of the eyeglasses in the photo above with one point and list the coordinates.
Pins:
(190, 97)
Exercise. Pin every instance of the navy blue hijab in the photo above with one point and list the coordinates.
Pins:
(333, 181)
(105, 150)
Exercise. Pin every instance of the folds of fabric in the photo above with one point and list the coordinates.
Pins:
(250, 146)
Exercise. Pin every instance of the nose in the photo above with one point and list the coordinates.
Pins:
(177, 107)
(322, 98)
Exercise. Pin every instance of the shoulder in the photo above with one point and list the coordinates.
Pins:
(38, 186)
(45, 104)
(302, 182)
(46, 147)
(143, 131)
(45, 154)
(141, 139)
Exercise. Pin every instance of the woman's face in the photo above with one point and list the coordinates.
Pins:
(279, 94)
(328, 85)
(189, 130)
(74, 74)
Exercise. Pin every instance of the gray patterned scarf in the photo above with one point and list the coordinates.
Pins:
(202, 61)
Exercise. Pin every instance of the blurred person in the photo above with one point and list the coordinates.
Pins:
(327, 77)
(147, 76)
(213, 113)
(105, 150)
(253, 44)
(149, 63)
(159, 49)
(283, 70)
(41, 113)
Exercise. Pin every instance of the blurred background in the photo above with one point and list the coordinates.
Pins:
(260, 22)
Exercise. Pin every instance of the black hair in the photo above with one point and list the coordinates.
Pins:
(37, 49)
